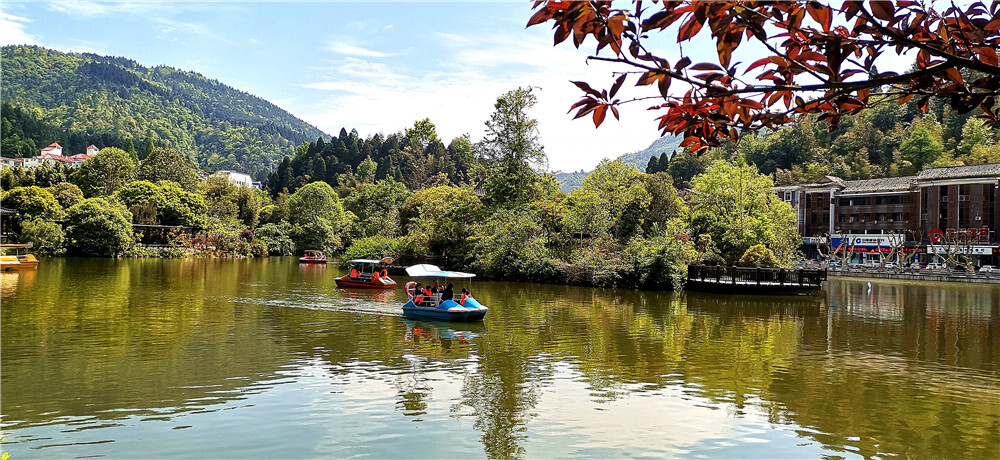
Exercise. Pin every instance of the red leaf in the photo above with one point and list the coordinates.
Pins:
(586, 88)
(681, 64)
(689, 29)
(882, 9)
(539, 17)
(988, 55)
(617, 85)
(599, 113)
(705, 66)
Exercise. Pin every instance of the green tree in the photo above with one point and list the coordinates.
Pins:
(366, 171)
(735, 205)
(511, 149)
(104, 173)
(33, 202)
(66, 194)
(507, 245)
(132, 152)
(143, 199)
(148, 150)
(168, 164)
(46, 237)
(376, 207)
(181, 207)
(438, 220)
(98, 227)
(318, 218)
(683, 166)
(921, 148)
(612, 201)
(277, 237)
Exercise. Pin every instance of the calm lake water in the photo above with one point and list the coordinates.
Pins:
(267, 359)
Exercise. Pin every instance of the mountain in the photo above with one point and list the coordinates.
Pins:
(573, 180)
(87, 98)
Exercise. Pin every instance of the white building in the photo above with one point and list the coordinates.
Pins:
(237, 178)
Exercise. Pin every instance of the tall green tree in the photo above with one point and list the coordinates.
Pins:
(104, 173)
(921, 148)
(169, 164)
(511, 149)
(318, 218)
(735, 204)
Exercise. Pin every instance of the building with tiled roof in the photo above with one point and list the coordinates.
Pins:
(960, 200)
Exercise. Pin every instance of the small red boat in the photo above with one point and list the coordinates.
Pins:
(367, 277)
(313, 257)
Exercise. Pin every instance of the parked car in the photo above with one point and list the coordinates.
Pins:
(935, 266)
(989, 269)
(891, 265)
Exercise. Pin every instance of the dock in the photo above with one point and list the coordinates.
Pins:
(754, 280)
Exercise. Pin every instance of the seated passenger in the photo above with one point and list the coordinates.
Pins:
(465, 295)
(448, 293)
(428, 295)
(436, 287)
(418, 294)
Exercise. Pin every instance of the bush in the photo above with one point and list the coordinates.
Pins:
(758, 256)
(96, 227)
(47, 237)
(276, 238)
(33, 202)
(375, 247)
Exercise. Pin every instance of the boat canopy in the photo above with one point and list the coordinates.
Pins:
(432, 271)
(364, 261)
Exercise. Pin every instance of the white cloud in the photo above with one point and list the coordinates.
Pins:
(12, 31)
(339, 45)
(459, 92)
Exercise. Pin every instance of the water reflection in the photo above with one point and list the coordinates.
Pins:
(98, 353)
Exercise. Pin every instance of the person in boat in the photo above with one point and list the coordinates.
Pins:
(465, 295)
(428, 295)
(436, 288)
(448, 293)
(418, 295)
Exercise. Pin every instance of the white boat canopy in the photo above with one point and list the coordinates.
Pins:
(432, 271)
(364, 261)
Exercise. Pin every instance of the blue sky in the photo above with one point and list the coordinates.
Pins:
(374, 67)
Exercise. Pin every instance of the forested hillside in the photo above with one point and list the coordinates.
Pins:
(80, 99)
(665, 145)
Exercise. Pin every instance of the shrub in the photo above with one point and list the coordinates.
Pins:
(47, 237)
(758, 255)
(276, 238)
(375, 247)
(96, 227)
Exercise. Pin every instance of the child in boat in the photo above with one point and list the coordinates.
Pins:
(428, 295)
(417, 294)
(465, 295)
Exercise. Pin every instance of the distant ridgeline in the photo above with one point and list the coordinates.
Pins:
(664, 145)
(82, 99)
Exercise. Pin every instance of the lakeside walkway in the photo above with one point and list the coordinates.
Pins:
(949, 276)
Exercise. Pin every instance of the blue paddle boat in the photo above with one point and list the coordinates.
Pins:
(467, 308)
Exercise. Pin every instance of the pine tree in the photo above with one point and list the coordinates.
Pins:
(653, 166)
(130, 148)
(149, 147)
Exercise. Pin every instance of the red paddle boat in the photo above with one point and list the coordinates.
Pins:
(313, 257)
(367, 277)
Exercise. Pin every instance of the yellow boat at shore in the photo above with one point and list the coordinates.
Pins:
(17, 261)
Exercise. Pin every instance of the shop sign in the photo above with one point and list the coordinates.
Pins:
(866, 240)
(968, 250)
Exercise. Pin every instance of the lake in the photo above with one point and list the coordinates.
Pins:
(266, 358)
